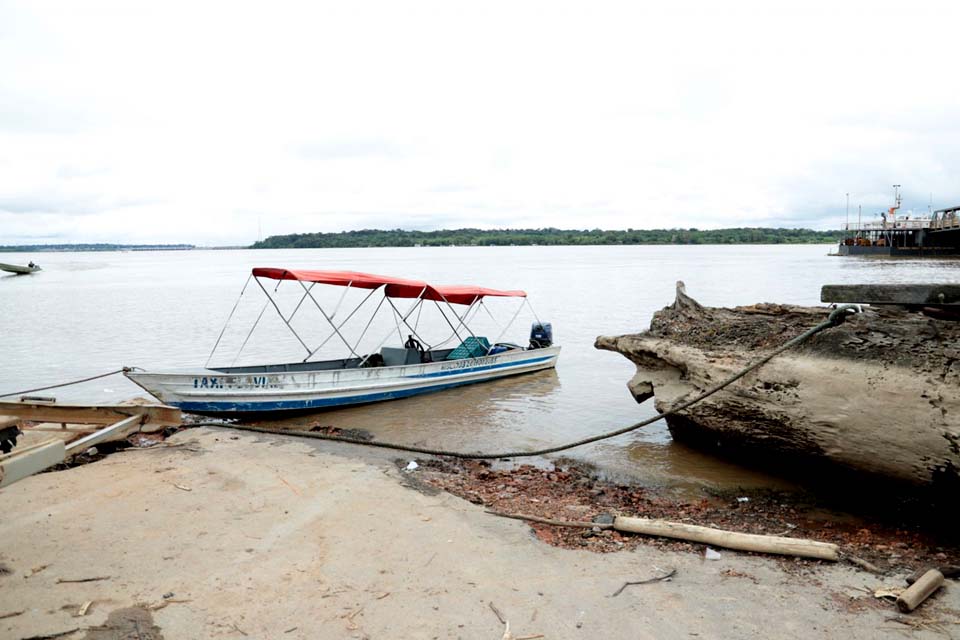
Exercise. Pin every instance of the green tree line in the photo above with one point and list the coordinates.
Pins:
(550, 236)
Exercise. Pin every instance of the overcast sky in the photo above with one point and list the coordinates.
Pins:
(198, 121)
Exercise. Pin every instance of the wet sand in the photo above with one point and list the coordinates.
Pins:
(232, 535)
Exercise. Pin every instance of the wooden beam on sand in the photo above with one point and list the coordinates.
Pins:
(157, 416)
(117, 431)
(24, 462)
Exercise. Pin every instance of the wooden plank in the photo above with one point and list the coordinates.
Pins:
(117, 431)
(901, 294)
(158, 415)
(25, 462)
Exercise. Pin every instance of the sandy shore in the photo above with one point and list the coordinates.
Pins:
(234, 535)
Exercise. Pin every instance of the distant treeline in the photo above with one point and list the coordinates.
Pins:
(33, 248)
(485, 237)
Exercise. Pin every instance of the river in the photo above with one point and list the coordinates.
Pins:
(87, 313)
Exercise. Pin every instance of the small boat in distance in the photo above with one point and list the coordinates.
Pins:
(17, 269)
(411, 368)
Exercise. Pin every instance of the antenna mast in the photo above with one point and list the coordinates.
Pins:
(896, 198)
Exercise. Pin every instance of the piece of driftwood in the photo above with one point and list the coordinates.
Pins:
(556, 523)
(920, 591)
(876, 395)
(729, 539)
(78, 580)
(661, 578)
(718, 537)
(863, 564)
(948, 571)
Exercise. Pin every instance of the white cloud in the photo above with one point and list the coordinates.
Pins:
(193, 122)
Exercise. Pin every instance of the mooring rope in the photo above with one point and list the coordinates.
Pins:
(67, 384)
(836, 317)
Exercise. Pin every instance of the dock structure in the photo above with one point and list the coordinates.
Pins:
(38, 435)
(936, 235)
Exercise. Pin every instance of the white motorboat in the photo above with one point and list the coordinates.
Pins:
(388, 373)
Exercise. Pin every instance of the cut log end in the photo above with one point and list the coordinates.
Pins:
(920, 591)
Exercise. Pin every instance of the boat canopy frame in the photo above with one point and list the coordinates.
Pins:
(391, 288)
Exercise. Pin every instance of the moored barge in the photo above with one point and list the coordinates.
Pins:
(921, 237)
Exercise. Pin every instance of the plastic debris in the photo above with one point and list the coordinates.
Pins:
(743, 499)
(710, 554)
(411, 466)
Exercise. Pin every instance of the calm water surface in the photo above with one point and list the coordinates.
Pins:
(88, 313)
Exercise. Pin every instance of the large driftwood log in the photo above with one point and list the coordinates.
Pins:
(878, 394)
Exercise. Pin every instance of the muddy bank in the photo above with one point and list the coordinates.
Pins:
(877, 395)
(235, 535)
(573, 491)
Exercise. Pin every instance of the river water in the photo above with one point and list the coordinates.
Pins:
(88, 313)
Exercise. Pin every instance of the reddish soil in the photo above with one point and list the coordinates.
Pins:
(571, 492)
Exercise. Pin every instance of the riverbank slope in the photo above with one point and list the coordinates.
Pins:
(223, 535)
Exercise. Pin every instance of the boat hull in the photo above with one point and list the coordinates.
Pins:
(221, 392)
(17, 269)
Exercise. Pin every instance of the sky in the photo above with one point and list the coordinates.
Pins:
(217, 123)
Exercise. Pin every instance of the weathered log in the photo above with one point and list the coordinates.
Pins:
(920, 591)
(729, 539)
(899, 294)
(877, 394)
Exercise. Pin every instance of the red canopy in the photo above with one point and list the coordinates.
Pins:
(395, 287)
(468, 294)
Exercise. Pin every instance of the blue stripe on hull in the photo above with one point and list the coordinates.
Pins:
(325, 403)
(454, 372)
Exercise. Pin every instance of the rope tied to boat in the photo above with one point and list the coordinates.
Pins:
(836, 317)
(67, 384)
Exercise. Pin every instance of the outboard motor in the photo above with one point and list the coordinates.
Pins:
(541, 335)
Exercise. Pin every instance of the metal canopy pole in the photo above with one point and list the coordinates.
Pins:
(395, 321)
(370, 322)
(535, 316)
(513, 319)
(407, 324)
(405, 316)
(297, 308)
(249, 333)
(335, 329)
(273, 302)
(461, 321)
(333, 314)
(345, 320)
(437, 305)
(229, 317)
(452, 335)
(484, 307)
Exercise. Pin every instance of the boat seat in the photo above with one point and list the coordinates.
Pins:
(470, 348)
(396, 357)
